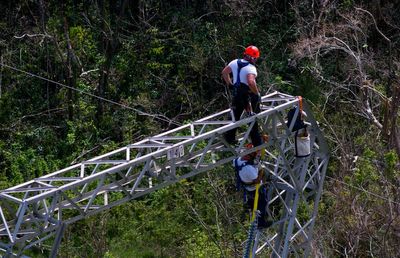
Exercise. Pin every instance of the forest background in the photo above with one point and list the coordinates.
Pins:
(165, 58)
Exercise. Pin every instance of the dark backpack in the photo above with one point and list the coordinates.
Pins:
(298, 123)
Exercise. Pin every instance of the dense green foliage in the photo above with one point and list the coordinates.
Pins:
(164, 58)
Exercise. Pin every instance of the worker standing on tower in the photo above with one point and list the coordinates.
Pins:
(246, 95)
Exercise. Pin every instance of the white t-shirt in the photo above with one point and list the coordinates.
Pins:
(244, 72)
(247, 174)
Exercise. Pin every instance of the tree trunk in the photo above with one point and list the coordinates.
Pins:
(71, 79)
(394, 130)
(109, 45)
(1, 69)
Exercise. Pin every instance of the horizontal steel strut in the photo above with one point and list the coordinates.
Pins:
(40, 209)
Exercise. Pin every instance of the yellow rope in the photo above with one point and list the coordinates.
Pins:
(255, 203)
(257, 189)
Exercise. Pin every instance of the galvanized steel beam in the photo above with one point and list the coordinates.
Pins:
(32, 212)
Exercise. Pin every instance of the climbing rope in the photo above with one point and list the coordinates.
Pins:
(255, 206)
(250, 239)
(254, 224)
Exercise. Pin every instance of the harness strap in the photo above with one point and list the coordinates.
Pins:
(240, 65)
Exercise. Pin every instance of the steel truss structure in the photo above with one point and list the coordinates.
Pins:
(40, 210)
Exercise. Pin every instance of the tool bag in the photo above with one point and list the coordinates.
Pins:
(302, 144)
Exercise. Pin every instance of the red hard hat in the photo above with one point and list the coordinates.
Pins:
(249, 145)
(251, 155)
(252, 51)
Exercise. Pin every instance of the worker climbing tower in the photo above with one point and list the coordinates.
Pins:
(40, 210)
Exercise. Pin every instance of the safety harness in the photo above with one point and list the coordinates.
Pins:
(240, 65)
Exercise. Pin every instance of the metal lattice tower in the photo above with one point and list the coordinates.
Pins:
(38, 210)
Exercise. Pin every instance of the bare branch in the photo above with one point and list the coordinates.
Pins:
(87, 72)
(33, 36)
(376, 26)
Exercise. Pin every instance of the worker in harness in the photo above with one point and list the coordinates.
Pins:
(246, 95)
(248, 175)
